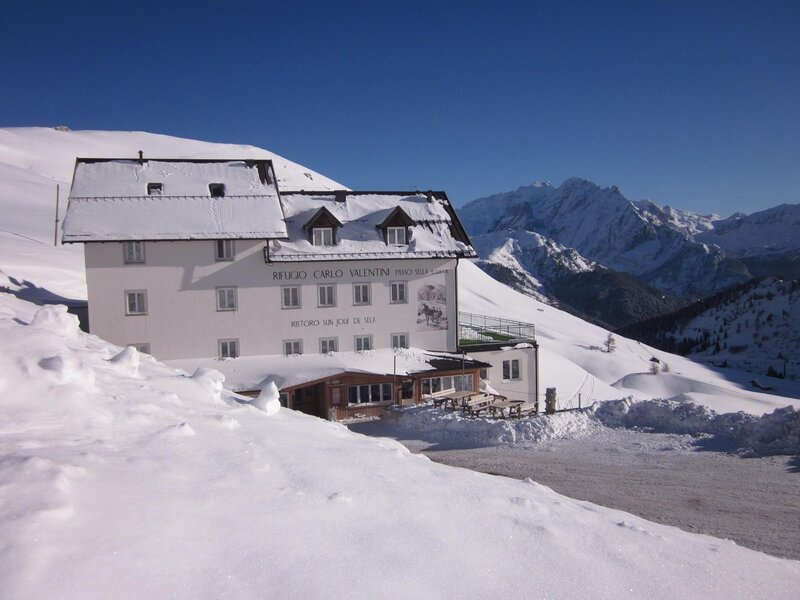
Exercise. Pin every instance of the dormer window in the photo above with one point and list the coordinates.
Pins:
(396, 236)
(321, 228)
(395, 227)
(155, 189)
(217, 190)
(322, 236)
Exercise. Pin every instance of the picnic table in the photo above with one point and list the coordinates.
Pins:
(504, 404)
(455, 399)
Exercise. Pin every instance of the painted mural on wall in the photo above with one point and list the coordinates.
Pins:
(432, 307)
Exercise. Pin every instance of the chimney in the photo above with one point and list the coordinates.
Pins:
(141, 157)
(340, 195)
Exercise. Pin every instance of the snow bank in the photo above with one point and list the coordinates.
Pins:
(453, 429)
(166, 485)
(774, 433)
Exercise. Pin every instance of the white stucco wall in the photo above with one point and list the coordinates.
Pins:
(523, 388)
(182, 320)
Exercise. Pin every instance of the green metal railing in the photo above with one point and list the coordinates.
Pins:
(481, 329)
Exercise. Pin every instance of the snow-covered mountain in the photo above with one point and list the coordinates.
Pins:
(752, 327)
(586, 227)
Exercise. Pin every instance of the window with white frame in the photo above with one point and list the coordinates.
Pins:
(511, 369)
(133, 253)
(322, 236)
(327, 345)
(399, 340)
(136, 302)
(290, 297)
(363, 342)
(226, 298)
(223, 250)
(228, 348)
(361, 294)
(292, 347)
(326, 294)
(396, 236)
(155, 189)
(143, 348)
(399, 292)
(375, 392)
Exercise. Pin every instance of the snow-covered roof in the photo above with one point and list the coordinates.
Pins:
(435, 232)
(129, 199)
(248, 373)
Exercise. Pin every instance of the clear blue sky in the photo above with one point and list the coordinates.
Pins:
(693, 104)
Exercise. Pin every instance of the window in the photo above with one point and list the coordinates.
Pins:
(155, 189)
(226, 298)
(399, 295)
(361, 293)
(133, 253)
(363, 342)
(217, 190)
(327, 345)
(290, 297)
(143, 348)
(459, 383)
(511, 369)
(223, 250)
(136, 302)
(396, 236)
(229, 348)
(484, 373)
(375, 392)
(322, 236)
(399, 340)
(327, 295)
(292, 347)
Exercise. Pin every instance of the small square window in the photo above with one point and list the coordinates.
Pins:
(327, 345)
(136, 302)
(322, 236)
(361, 294)
(223, 250)
(399, 340)
(291, 347)
(363, 343)
(327, 295)
(155, 189)
(229, 348)
(511, 369)
(290, 297)
(396, 236)
(133, 253)
(399, 292)
(217, 190)
(226, 298)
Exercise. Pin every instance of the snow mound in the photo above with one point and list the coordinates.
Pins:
(454, 429)
(774, 433)
(269, 399)
(55, 319)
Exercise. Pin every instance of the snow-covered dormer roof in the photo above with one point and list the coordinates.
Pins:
(147, 199)
(434, 231)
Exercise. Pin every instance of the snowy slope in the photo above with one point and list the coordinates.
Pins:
(33, 160)
(121, 478)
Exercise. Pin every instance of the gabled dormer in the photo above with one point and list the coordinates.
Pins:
(395, 227)
(322, 227)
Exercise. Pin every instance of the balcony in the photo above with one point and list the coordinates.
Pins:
(481, 330)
